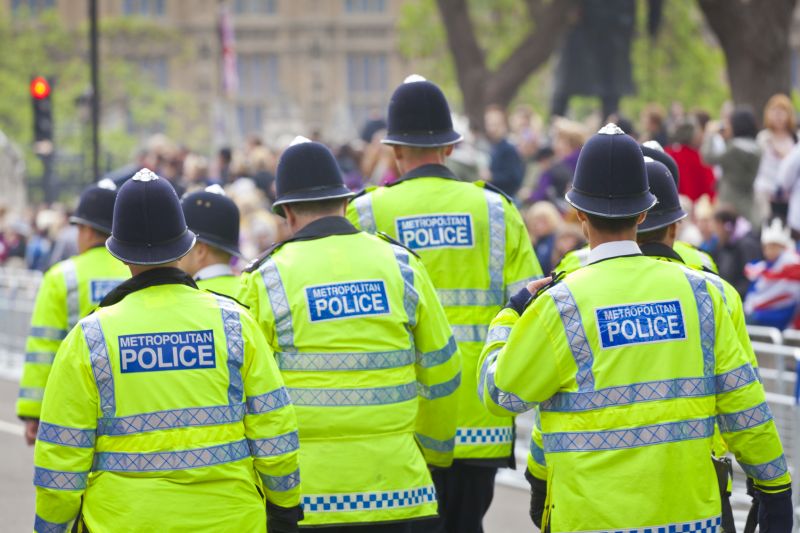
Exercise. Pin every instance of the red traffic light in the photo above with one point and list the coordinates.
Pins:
(40, 88)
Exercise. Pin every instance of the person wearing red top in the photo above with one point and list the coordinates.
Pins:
(697, 178)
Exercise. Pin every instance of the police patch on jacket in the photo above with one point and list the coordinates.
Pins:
(99, 288)
(446, 230)
(346, 300)
(640, 323)
(184, 350)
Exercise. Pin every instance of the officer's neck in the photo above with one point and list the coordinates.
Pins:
(139, 269)
(597, 237)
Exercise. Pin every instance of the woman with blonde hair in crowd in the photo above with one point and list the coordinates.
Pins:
(543, 221)
(776, 141)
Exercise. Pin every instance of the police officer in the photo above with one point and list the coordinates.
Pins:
(69, 291)
(214, 218)
(691, 256)
(475, 246)
(366, 352)
(165, 408)
(630, 362)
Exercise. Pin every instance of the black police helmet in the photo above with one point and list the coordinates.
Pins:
(307, 172)
(419, 116)
(214, 218)
(96, 206)
(655, 151)
(668, 210)
(149, 227)
(610, 179)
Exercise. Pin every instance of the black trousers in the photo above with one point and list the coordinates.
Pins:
(464, 492)
(396, 527)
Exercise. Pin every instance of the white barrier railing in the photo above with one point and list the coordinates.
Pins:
(17, 296)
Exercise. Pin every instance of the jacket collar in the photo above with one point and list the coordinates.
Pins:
(324, 227)
(214, 271)
(428, 171)
(659, 249)
(610, 250)
(148, 278)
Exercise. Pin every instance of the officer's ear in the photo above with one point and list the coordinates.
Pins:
(641, 218)
(449, 150)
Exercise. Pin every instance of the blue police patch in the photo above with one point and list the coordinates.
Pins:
(640, 323)
(184, 350)
(99, 288)
(448, 230)
(347, 300)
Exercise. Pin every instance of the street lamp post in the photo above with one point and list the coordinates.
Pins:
(94, 61)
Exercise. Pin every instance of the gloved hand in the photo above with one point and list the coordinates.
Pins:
(283, 519)
(775, 513)
(538, 498)
(520, 301)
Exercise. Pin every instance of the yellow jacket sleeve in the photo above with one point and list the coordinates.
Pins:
(537, 465)
(521, 265)
(48, 329)
(65, 443)
(270, 421)
(438, 369)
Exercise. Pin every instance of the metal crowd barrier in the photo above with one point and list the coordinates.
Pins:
(17, 296)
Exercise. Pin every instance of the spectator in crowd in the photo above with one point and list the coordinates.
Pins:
(377, 163)
(776, 141)
(789, 181)
(735, 150)
(347, 158)
(224, 160)
(525, 136)
(775, 290)
(654, 127)
(569, 237)
(13, 242)
(39, 246)
(737, 246)
(697, 178)
(262, 166)
(568, 138)
(505, 164)
(196, 173)
(543, 221)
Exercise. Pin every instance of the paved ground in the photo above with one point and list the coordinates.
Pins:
(507, 515)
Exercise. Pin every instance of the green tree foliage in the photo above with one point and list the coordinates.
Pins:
(132, 106)
(682, 64)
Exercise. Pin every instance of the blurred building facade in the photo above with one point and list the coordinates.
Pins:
(302, 65)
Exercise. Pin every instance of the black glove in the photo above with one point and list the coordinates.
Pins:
(538, 497)
(775, 512)
(283, 519)
(519, 302)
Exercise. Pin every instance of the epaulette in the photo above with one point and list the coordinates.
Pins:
(493, 188)
(253, 265)
(228, 296)
(362, 192)
(390, 239)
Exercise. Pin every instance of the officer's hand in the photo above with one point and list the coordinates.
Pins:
(31, 429)
(774, 512)
(534, 286)
(520, 301)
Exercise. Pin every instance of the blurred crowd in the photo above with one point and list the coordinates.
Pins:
(739, 181)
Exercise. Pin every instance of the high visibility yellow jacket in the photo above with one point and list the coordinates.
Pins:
(475, 246)
(228, 284)
(629, 380)
(164, 412)
(369, 361)
(691, 256)
(70, 290)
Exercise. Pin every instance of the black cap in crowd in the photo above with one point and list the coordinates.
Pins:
(214, 218)
(96, 206)
(419, 116)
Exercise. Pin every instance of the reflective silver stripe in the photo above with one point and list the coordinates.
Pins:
(766, 471)
(436, 445)
(716, 281)
(369, 501)
(41, 358)
(475, 333)
(180, 460)
(264, 403)
(576, 335)
(59, 480)
(101, 366)
(470, 297)
(354, 397)
(66, 436)
(73, 303)
(366, 218)
(617, 439)
(497, 239)
(410, 295)
(50, 334)
(506, 400)
(293, 361)
(707, 525)
(537, 453)
(171, 419)
(281, 483)
(440, 390)
(484, 436)
(746, 419)
(280, 304)
(235, 343)
(705, 314)
(498, 334)
(274, 446)
(40, 525)
(437, 357)
(31, 393)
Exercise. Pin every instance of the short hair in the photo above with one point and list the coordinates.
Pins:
(612, 225)
(656, 235)
(318, 207)
(743, 123)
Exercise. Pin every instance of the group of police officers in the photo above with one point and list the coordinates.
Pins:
(364, 374)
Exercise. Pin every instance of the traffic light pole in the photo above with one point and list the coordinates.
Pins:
(95, 101)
